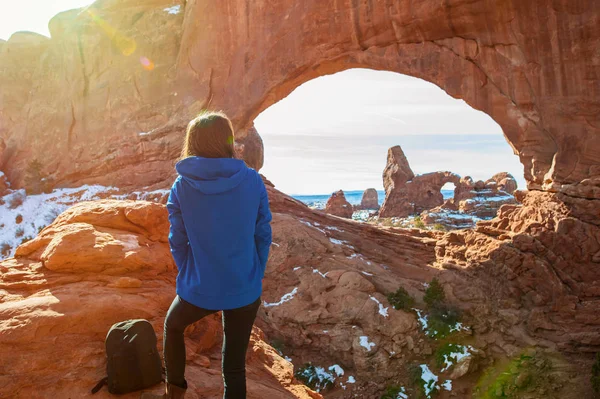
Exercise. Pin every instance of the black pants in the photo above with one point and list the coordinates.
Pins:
(237, 326)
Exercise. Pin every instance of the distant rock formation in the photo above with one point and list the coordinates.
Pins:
(473, 201)
(338, 205)
(369, 200)
(407, 194)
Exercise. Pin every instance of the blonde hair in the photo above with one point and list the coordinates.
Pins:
(209, 135)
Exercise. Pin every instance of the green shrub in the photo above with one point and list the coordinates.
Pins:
(393, 392)
(415, 376)
(439, 227)
(596, 374)
(25, 239)
(316, 380)
(442, 320)
(444, 351)
(419, 223)
(434, 295)
(401, 299)
(278, 345)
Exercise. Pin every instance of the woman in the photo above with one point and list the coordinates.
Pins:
(220, 238)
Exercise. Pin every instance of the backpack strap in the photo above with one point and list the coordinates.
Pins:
(100, 384)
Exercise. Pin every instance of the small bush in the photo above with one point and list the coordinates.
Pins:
(5, 249)
(416, 381)
(439, 227)
(393, 392)
(419, 224)
(317, 381)
(443, 321)
(596, 374)
(25, 239)
(387, 222)
(444, 351)
(278, 345)
(434, 294)
(19, 232)
(401, 299)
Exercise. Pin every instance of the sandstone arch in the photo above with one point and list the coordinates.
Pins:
(538, 80)
(495, 63)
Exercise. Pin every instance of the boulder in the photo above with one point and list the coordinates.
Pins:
(369, 200)
(338, 206)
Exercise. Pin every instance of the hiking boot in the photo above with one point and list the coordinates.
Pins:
(172, 392)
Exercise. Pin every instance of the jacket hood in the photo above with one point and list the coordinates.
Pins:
(212, 175)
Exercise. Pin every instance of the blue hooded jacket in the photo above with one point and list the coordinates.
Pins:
(220, 233)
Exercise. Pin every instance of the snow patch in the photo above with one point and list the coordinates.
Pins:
(38, 211)
(173, 10)
(367, 273)
(452, 358)
(364, 342)
(351, 380)
(422, 319)
(313, 226)
(129, 241)
(402, 394)
(297, 268)
(337, 370)
(286, 298)
(322, 275)
(382, 311)
(447, 385)
(429, 379)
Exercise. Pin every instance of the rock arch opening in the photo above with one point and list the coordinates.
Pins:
(334, 132)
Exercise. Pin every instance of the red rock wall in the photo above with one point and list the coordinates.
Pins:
(79, 100)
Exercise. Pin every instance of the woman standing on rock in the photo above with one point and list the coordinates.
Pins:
(220, 238)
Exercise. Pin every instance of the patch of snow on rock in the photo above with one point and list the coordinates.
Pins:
(337, 370)
(287, 297)
(447, 385)
(173, 10)
(322, 275)
(429, 379)
(382, 311)
(455, 357)
(364, 342)
(37, 211)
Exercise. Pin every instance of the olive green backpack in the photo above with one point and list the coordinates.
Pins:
(132, 360)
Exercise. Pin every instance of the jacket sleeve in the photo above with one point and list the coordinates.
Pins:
(262, 234)
(178, 239)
